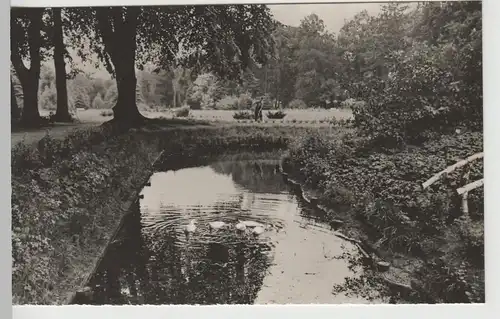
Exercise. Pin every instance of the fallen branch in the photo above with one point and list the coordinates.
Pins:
(471, 186)
(451, 168)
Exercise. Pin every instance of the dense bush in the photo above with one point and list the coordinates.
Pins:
(433, 87)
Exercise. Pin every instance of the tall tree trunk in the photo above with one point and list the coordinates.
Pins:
(29, 78)
(62, 112)
(120, 43)
(126, 109)
(30, 115)
(174, 100)
(14, 108)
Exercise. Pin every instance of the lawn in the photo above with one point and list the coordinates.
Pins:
(292, 115)
(94, 117)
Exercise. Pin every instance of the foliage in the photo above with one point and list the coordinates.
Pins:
(383, 191)
(244, 101)
(433, 87)
(243, 115)
(65, 204)
(182, 112)
(229, 102)
(48, 98)
(352, 104)
(297, 104)
(233, 30)
(278, 115)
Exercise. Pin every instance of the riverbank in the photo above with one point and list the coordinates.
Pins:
(376, 198)
(69, 195)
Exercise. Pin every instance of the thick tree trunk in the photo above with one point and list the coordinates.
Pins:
(126, 110)
(120, 43)
(29, 78)
(14, 108)
(62, 112)
(30, 115)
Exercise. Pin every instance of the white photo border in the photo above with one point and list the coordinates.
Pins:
(491, 54)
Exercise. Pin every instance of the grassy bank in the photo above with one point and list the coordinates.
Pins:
(69, 195)
(379, 198)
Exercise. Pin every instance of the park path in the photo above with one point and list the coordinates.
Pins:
(58, 131)
(86, 119)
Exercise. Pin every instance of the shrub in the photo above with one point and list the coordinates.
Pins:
(244, 101)
(276, 115)
(194, 104)
(182, 112)
(227, 103)
(243, 115)
(297, 104)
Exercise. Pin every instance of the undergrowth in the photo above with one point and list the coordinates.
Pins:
(382, 190)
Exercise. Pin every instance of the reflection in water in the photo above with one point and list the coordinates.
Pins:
(153, 261)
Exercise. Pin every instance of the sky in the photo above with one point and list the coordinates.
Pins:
(333, 14)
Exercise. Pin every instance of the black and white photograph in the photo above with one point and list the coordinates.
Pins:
(247, 154)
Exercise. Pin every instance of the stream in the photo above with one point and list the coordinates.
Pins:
(154, 260)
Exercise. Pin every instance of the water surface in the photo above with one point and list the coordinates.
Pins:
(153, 260)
